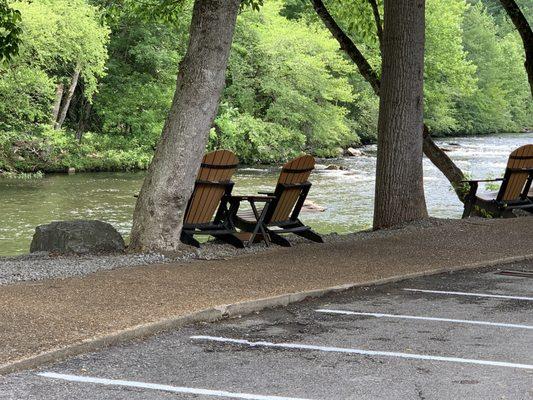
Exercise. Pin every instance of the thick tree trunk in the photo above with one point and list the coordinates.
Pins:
(524, 29)
(57, 102)
(158, 215)
(433, 152)
(399, 173)
(66, 102)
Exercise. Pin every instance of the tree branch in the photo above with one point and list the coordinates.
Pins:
(523, 28)
(377, 19)
(435, 154)
(347, 45)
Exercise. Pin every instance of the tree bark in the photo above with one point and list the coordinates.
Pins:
(66, 102)
(524, 29)
(57, 102)
(160, 208)
(433, 152)
(399, 172)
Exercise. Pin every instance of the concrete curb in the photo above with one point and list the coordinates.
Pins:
(217, 313)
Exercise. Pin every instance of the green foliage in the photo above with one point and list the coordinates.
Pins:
(136, 94)
(254, 140)
(290, 76)
(61, 35)
(57, 37)
(501, 101)
(22, 175)
(475, 82)
(56, 150)
(356, 17)
(449, 76)
(10, 31)
(289, 88)
(25, 97)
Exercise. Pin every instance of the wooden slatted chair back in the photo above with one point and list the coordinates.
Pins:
(294, 172)
(217, 167)
(515, 180)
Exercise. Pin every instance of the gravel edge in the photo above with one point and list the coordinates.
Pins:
(41, 266)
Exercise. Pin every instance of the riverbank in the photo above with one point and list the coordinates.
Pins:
(347, 193)
(50, 319)
(27, 156)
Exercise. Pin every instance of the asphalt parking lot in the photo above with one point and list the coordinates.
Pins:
(465, 335)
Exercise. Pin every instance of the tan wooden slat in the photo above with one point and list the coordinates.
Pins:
(206, 198)
(289, 197)
(201, 191)
(223, 157)
(517, 180)
(215, 193)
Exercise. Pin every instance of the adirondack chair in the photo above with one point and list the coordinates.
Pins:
(208, 211)
(514, 189)
(281, 207)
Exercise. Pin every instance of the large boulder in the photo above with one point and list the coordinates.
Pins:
(79, 237)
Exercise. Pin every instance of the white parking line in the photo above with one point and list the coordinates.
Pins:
(362, 352)
(497, 296)
(164, 388)
(458, 321)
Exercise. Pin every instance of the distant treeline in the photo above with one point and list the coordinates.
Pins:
(90, 88)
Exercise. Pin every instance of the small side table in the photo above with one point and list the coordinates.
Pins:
(259, 216)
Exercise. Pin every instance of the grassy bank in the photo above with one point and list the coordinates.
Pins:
(28, 155)
(57, 151)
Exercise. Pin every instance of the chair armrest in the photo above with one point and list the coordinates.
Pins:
(481, 180)
(253, 198)
(267, 193)
(529, 170)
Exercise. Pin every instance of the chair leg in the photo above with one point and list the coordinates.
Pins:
(278, 239)
(231, 239)
(469, 206)
(189, 239)
(311, 235)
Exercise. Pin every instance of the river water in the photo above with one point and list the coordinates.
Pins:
(346, 194)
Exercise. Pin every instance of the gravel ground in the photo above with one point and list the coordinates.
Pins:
(39, 266)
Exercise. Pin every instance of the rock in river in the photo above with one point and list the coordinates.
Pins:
(351, 152)
(79, 237)
(334, 167)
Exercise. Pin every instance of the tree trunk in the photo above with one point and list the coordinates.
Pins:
(66, 102)
(83, 122)
(399, 173)
(433, 152)
(449, 169)
(524, 29)
(160, 208)
(57, 102)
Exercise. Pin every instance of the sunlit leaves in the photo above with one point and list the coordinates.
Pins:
(61, 35)
(10, 31)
